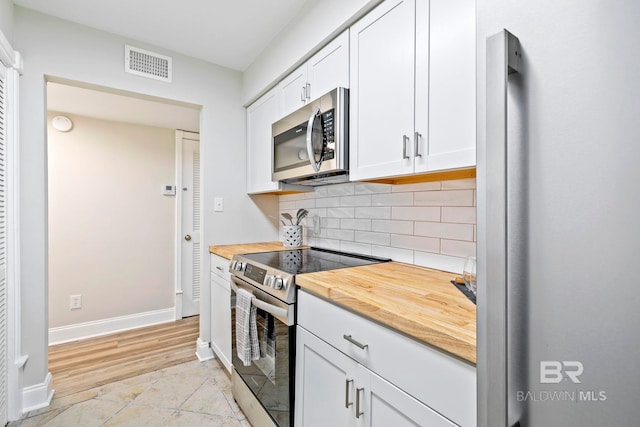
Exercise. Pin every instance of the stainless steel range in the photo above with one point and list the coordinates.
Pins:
(265, 389)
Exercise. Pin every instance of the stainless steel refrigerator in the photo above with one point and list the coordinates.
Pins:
(558, 213)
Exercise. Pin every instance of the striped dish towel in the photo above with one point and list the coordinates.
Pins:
(246, 328)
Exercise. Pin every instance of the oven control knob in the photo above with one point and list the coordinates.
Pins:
(238, 265)
(278, 283)
(268, 280)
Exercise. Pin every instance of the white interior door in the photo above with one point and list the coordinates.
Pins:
(190, 225)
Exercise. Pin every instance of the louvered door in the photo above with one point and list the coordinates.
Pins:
(3, 247)
(191, 246)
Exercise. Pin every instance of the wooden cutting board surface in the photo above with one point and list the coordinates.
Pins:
(417, 301)
(228, 251)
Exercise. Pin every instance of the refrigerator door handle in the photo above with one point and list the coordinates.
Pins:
(502, 59)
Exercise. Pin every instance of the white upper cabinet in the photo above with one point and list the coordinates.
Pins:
(324, 71)
(452, 85)
(381, 101)
(260, 116)
(412, 103)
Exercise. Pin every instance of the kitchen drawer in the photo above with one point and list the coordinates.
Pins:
(444, 383)
(220, 266)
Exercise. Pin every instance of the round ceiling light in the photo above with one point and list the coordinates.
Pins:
(62, 123)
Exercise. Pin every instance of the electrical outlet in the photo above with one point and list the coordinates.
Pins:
(75, 302)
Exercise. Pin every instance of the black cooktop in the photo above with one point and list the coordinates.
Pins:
(310, 260)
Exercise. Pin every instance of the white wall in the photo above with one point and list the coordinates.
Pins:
(6, 19)
(53, 47)
(111, 231)
(316, 25)
(432, 224)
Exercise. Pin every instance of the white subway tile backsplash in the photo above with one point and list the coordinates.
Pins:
(340, 212)
(389, 226)
(400, 255)
(459, 214)
(373, 212)
(420, 186)
(340, 234)
(444, 198)
(371, 237)
(306, 204)
(356, 224)
(458, 248)
(416, 243)
(347, 189)
(444, 230)
(439, 262)
(430, 224)
(412, 213)
(457, 184)
(363, 200)
(358, 248)
(392, 199)
(328, 202)
(372, 188)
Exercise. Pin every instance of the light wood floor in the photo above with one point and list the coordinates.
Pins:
(81, 365)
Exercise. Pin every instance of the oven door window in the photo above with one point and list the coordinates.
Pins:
(268, 377)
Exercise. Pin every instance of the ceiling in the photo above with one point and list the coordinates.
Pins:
(231, 33)
(121, 107)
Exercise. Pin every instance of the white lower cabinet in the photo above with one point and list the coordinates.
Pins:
(221, 310)
(334, 390)
(348, 365)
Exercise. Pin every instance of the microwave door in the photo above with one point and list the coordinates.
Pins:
(316, 144)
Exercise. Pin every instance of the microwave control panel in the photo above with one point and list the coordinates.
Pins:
(329, 134)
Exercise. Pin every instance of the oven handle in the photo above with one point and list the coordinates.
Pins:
(269, 308)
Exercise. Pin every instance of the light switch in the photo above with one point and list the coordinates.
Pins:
(218, 204)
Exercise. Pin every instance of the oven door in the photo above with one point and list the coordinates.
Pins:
(270, 378)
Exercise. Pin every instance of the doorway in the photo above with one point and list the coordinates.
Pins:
(112, 224)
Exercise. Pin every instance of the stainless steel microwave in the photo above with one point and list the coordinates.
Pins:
(310, 145)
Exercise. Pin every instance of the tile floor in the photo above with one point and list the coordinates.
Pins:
(192, 394)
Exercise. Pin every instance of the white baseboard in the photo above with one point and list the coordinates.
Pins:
(37, 396)
(97, 328)
(203, 350)
(220, 355)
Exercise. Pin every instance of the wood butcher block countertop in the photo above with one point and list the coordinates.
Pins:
(228, 251)
(417, 301)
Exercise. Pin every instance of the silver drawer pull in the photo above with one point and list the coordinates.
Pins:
(346, 393)
(354, 342)
(358, 413)
(219, 268)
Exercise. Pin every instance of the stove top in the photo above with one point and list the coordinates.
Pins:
(274, 272)
(300, 261)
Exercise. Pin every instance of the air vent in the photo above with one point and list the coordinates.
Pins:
(147, 64)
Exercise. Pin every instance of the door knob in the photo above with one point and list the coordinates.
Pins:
(187, 237)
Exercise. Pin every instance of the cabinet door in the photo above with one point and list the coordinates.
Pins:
(292, 90)
(452, 86)
(382, 91)
(260, 116)
(386, 405)
(329, 68)
(325, 391)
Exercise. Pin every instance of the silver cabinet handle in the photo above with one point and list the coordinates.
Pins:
(354, 342)
(308, 90)
(303, 95)
(346, 393)
(219, 268)
(187, 237)
(405, 140)
(358, 413)
(502, 59)
(416, 139)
